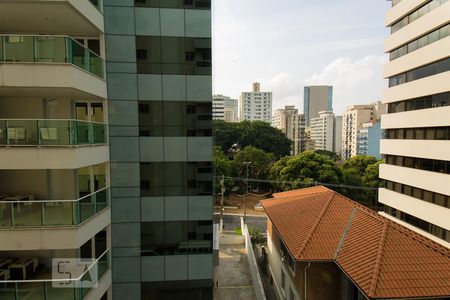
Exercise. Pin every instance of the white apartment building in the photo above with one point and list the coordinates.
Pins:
(256, 105)
(225, 108)
(292, 124)
(54, 153)
(324, 131)
(352, 120)
(417, 143)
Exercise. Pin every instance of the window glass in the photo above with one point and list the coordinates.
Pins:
(417, 193)
(409, 134)
(428, 196)
(420, 134)
(441, 133)
(439, 199)
(407, 190)
(440, 166)
(427, 165)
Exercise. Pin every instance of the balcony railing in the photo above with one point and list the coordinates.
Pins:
(49, 49)
(48, 289)
(51, 132)
(52, 213)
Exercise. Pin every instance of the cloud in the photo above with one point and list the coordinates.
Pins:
(354, 82)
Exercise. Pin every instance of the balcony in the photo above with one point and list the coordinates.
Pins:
(43, 287)
(49, 64)
(15, 212)
(74, 17)
(51, 132)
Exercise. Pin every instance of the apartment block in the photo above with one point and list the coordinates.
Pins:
(322, 245)
(417, 143)
(292, 124)
(326, 132)
(54, 154)
(256, 105)
(224, 108)
(316, 98)
(352, 121)
(160, 110)
(368, 139)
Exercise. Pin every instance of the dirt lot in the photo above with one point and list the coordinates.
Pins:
(234, 203)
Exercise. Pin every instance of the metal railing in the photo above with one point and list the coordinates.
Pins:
(51, 132)
(49, 49)
(48, 289)
(52, 213)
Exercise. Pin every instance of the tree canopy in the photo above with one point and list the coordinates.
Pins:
(257, 134)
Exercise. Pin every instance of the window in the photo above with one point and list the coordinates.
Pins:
(283, 279)
(420, 12)
(422, 72)
(189, 4)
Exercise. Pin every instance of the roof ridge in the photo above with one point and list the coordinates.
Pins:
(347, 227)
(376, 271)
(319, 218)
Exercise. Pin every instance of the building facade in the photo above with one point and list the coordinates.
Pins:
(256, 105)
(159, 79)
(54, 153)
(325, 131)
(352, 121)
(417, 143)
(316, 99)
(292, 124)
(224, 108)
(368, 140)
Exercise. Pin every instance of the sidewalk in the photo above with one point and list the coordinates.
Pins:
(233, 273)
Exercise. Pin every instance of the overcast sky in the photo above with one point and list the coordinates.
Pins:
(285, 44)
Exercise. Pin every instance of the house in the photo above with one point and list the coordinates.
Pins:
(322, 245)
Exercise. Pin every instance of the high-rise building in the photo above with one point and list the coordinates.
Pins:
(325, 131)
(316, 98)
(368, 139)
(417, 143)
(292, 124)
(159, 78)
(225, 108)
(54, 154)
(255, 105)
(352, 121)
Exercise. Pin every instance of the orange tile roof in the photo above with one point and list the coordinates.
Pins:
(385, 259)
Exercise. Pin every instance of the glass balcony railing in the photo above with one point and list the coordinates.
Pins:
(52, 289)
(49, 49)
(48, 132)
(52, 213)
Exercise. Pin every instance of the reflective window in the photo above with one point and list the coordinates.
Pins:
(432, 133)
(422, 72)
(189, 4)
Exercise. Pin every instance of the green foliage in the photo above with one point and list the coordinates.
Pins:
(359, 163)
(331, 155)
(238, 231)
(304, 170)
(222, 166)
(255, 234)
(257, 134)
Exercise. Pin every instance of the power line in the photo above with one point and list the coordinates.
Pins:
(305, 183)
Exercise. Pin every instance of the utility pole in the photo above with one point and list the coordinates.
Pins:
(222, 183)
(246, 192)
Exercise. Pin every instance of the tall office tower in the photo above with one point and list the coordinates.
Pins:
(292, 125)
(256, 105)
(417, 144)
(160, 97)
(54, 154)
(352, 121)
(225, 108)
(316, 98)
(323, 131)
(368, 139)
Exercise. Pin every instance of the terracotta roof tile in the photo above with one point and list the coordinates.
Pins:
(385, 259)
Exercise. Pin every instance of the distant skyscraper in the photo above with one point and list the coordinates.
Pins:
(323, 131)
(317, 99)
(353, 120)
(417, 143)
(368, 139)
(292, 125)
(225, 108)
(256, 105)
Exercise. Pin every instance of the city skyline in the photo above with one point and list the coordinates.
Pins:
(337, 52)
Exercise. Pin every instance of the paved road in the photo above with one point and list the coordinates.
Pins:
(233, 221)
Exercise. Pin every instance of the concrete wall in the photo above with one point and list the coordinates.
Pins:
(256, 278)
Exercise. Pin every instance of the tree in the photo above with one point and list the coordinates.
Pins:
(372, 180)
(257, 134)
(331, 155)
(359, 163)
(260, 165)
(304, 170)
(222, 166)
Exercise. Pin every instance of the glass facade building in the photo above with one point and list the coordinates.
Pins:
(315, 100)
(158, 64)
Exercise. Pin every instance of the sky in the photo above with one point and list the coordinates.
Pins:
(287, 44)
